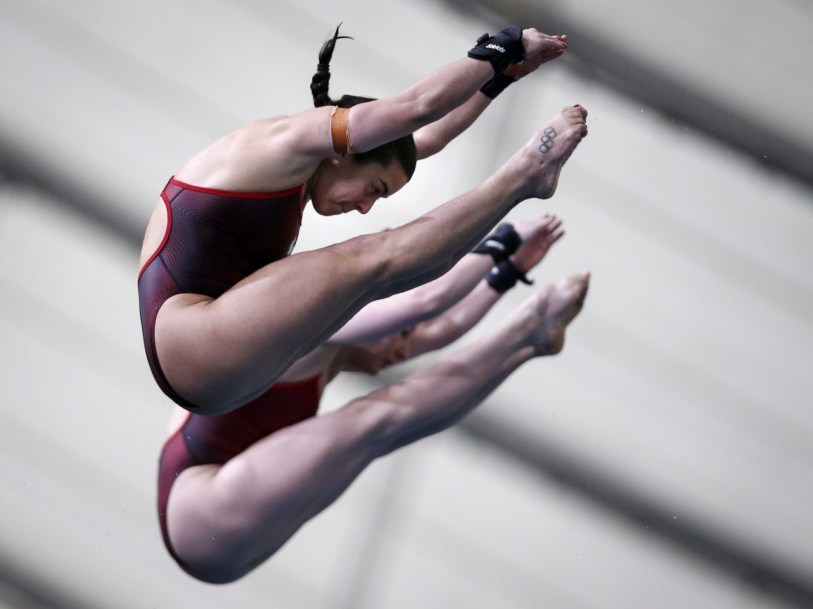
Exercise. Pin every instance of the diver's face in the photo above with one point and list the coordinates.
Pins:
(342, 185)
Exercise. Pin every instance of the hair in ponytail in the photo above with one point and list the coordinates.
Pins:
(321, 80)
(403, 149)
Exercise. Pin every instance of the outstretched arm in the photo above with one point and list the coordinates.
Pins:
(432, 138)
(306, 137)
(284, 151)
(405, 310)
(383, 317)
(444, 329)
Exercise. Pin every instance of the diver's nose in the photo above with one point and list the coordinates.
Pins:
(366, 205)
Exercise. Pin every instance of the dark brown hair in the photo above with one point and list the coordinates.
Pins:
(403, 149)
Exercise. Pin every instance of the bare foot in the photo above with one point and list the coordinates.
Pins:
(552, 309)
(550, 149)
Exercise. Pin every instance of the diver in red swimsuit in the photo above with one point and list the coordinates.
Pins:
(233, 488)
(225, 310)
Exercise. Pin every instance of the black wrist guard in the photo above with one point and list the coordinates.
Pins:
(501, 49)
(503, 276)
(496, 85)
(501, 243)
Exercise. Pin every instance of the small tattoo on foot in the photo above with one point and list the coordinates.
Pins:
(547, 140)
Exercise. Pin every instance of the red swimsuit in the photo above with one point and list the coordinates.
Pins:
(214, 239)
(216, 439)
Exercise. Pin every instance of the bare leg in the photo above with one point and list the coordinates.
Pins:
(220, 353)
(224, 521)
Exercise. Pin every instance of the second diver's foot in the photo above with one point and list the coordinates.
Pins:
(552, 309)
(551, 148)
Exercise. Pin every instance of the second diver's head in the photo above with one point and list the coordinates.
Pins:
(373, 356)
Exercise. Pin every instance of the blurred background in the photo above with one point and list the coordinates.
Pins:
(664, 459)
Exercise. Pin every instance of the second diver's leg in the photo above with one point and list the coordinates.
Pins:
(224, 521)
